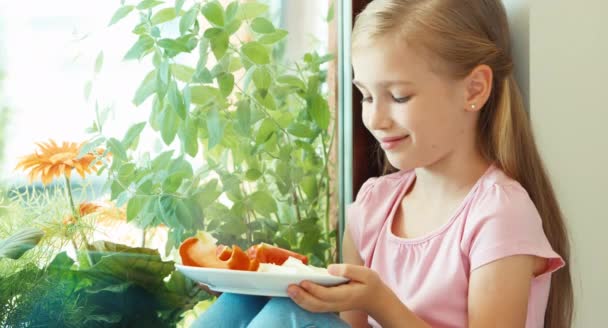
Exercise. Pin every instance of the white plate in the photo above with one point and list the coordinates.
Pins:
(252, 282)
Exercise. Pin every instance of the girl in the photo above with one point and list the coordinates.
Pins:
(468, 232)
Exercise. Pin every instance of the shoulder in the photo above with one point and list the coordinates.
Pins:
(375, 189)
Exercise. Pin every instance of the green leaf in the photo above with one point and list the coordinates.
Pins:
(188, 19)
(163, 15)
(250, 10)
(235, 64)
(163, 72)
(274, 37)
(319, 110)
(214, 13)
(310, 187)
(208, 193)
(205, 95)
(256, 52)
(178, 5)
(175, 100)
(265, 99)
(292, 81)
(121, 13)
(330, 13)
(262, 78)
(135, 205)
(132, 135)
(89, 146)
(189, 137)
(99, 62)
(267, 128)
(262, 25)
(170, 123)
(144, 44)
(301, 131)
(214, 127)
(20, 242)
(183, 213)
(263, 203)
(220, 44)
(146, 89)
(253, 174)
(147, 4)
(226, 83)
(233, 26)
(182, 73)
(243, 116)
(117, 150)
(212, 32)
(232, 10)
(174, 45)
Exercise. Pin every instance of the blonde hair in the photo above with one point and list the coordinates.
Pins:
(462, 34)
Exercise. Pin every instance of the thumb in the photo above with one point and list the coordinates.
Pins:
(353, 272)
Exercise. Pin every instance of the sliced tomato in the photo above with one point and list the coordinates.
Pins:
(265, 253)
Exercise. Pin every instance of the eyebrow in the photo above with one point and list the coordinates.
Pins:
(385, 83)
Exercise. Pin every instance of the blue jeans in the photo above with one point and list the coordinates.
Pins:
(240, 311)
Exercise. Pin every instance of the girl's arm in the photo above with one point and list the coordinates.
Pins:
(499, 291)
(498, 296)
(357, 319)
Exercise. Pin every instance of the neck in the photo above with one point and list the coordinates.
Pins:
(451, 176)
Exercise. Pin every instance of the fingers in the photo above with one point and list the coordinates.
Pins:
(353, 272)
(327, 294)
(308, 302)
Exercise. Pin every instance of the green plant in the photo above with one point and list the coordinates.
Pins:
(261, 127)
(116, 285)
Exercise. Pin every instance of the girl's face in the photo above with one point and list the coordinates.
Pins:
(417, 116)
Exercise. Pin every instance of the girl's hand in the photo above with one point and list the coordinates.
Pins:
(364, 289)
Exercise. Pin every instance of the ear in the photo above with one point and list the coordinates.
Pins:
(478, 86)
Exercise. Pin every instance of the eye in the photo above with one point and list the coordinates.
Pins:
(401, 100)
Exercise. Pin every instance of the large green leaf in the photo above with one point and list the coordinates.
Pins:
(182, 72)
(20, 242)
(262, 25)
(256, 52)
(263, 203)
(273, 37)
(250, 10)
(319, 110)
(215, 128)
(214, 13)
(188, 19)
(226, 83)
(120, 14)
(132, 135)
(163, 15)
(144, 44)
(262, 78)
(220, 44)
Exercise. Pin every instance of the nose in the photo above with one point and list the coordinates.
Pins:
(377, 116)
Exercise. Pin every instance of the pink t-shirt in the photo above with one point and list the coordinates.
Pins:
(430, 274)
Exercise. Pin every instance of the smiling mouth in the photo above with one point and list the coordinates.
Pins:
(390, 143)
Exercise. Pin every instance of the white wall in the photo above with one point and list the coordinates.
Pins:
(569, 110)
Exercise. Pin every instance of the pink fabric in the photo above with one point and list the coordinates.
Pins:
(430, 274)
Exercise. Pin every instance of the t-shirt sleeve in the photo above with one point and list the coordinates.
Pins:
(354, 212)
(505, 222)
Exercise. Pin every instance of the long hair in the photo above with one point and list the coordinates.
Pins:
(460, 35)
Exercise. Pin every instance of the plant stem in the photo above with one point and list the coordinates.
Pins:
(295, 201)
(76, 214)
(143, 237)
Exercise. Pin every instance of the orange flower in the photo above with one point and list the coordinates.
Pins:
(53, 160)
